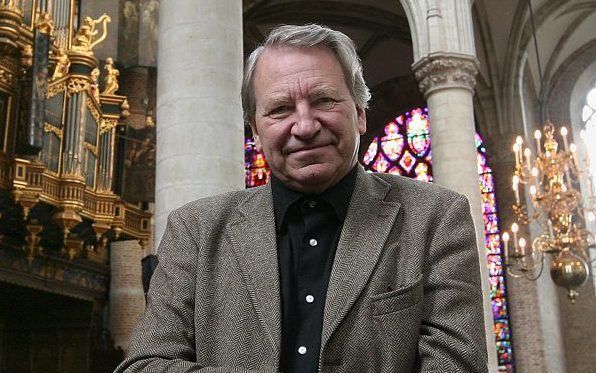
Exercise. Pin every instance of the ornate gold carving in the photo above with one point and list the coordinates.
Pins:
(27, 56)
(446, 71)
(77, 84)
(55, 88)
(125, 106)
(44, 23)
(11, 5)
(85, 38)
(62, 64)
(111, 77)
(26, 198)
(92, 108)
(107, 125)
(50, 128)
(6, 77)
(32, 248)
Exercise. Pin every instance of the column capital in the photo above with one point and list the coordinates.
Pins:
(445, 70)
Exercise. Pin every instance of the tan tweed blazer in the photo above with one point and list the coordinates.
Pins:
(404, 293)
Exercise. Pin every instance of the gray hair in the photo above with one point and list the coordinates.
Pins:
(308, 36)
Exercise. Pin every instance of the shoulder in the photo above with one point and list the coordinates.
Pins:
(214, 207)
(408, 191)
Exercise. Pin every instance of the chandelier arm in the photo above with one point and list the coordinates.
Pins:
(513, 274)
(539, 273)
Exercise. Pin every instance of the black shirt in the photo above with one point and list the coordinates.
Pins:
(308, 229)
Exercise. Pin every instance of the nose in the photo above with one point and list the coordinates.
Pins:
(307, 125)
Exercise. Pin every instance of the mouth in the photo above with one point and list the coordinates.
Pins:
(306, 149)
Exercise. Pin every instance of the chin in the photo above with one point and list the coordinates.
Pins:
(315, 177)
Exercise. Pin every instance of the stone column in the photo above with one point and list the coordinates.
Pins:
(200, 128)
(447, 81)
(127, 299)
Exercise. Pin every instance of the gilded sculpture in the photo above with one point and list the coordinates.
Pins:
(86, 37)
(111, 81)
(95, 85)
(62, 64)
(44, 23)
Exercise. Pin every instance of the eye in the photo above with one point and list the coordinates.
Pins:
(324, 103)
(280, 110)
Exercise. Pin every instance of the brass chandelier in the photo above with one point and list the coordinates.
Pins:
(552, 178)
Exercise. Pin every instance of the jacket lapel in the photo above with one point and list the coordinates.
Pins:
(367, 225)
(252, 233)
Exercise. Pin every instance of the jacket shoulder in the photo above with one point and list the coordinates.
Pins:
(407, 190)
(214, 207)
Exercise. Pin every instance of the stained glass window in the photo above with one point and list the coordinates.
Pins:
(404, 148)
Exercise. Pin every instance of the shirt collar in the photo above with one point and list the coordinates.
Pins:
(337, 196)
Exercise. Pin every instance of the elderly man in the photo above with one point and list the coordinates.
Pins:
(327, 268)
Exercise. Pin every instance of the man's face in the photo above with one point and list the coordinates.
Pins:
(306, 121)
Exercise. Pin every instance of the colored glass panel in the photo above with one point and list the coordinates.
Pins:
(372, 151)
(499, 307)
(490, 223)
(404, 147)
(407, 161)
(492, 243)
(418, 129)
(497, 286)
(486, 183)
(381, 164)
(501, 329)
(256, 169)
(392, 145)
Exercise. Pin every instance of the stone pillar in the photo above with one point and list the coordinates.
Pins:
(127, 299)
(200, 129)
(447, 81)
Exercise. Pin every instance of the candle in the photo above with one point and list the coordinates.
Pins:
(550, 228)
(522, 245)
(564, 134)
(573, 149)
(506, 247)
(537, 136)
(527, 154)
(514, 229)
(515, 151)
(515, 187)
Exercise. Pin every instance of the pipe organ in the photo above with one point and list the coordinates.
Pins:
(59, 117)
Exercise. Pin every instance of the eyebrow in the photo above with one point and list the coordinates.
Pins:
(282, 98)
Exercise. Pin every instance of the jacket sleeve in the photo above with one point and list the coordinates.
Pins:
(164, 339)
(452, 335)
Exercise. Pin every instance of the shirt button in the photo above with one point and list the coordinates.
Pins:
(313, 242)
(310, 299)
(312, 204)
(301, 350)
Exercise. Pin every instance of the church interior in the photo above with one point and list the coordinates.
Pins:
(115, 112)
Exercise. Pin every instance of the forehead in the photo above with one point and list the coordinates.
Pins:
(284, 67)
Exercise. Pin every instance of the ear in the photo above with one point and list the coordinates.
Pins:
(361, 112)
